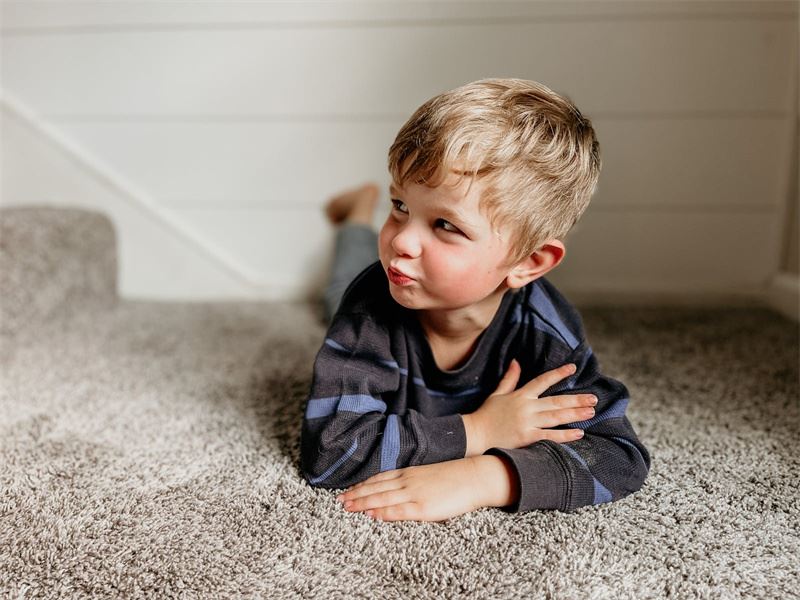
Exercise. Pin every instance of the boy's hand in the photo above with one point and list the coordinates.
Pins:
(433, 492)
(515, 419)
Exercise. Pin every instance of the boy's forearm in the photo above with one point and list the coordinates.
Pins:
(498, 479)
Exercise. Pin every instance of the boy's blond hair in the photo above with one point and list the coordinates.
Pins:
(536, 154)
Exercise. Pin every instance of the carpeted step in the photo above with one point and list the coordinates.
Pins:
(53, 262)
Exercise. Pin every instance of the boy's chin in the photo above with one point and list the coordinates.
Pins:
(404, 300)
(411, 299)
(414, 302)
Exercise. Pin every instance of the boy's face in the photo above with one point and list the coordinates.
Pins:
(441, 240)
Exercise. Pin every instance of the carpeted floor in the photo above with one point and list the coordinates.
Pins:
(151, 450)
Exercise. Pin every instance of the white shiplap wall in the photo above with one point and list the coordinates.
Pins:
(226, 126)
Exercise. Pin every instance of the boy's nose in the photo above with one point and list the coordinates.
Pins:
(407, 243)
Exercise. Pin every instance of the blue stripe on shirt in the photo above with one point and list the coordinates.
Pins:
(601, 492)
(549, 318)
(417, 380)
(390, 445)
(336, 345)
(336, 465)
(466, 392)
(356, 403)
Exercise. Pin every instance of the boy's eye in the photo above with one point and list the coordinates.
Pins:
(399, 205)
(448, 226)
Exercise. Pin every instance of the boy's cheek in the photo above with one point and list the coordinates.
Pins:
(385, 233)
(383, 246)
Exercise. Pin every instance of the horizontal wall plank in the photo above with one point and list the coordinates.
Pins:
(241, 164)
(44, 16)
(665, 163)
(663, 252)
(671, 252)
(606, 67)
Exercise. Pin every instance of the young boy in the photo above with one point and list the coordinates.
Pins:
(454, 375)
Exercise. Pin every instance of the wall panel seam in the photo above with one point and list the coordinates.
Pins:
(300, 118)
(787, 16)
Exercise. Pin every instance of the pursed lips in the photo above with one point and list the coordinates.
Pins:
(400, 273)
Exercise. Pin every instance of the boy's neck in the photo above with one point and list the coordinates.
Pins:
(459, 324)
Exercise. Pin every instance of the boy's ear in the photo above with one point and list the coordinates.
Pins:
(537, 264)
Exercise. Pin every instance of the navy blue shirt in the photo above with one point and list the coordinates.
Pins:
(378, 401)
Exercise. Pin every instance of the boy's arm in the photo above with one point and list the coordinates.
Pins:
(608, 463)
(534, 477)
(499, 479)
(350, 431)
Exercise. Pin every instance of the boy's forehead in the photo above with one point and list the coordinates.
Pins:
(461, 193)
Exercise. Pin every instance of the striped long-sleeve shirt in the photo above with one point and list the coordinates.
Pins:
(378, 401)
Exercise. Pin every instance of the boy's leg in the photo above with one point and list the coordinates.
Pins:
(356, 248)
(356, 243)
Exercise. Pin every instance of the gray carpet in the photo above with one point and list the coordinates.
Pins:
(151, 449)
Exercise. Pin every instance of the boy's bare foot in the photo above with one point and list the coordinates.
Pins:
(356, 205)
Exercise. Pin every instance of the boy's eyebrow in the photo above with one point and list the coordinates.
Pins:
(444, 210)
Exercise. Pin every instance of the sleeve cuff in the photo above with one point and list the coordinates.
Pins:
(445, 437)
(543, 480)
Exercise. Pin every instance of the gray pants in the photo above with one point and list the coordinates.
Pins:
(356, 247)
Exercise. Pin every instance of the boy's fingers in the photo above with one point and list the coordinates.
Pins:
(539, 384)
(398, 512)
(509, 381)
(561, 436)
(565, 416)
(544, 403)
(382, 476)
(369, 485)
(377, 500)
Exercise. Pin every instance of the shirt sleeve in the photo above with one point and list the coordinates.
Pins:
(608, 463)
(352, 427)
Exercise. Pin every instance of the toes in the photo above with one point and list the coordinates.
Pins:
(340, 206)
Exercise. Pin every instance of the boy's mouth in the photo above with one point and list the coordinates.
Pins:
(397, 277)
